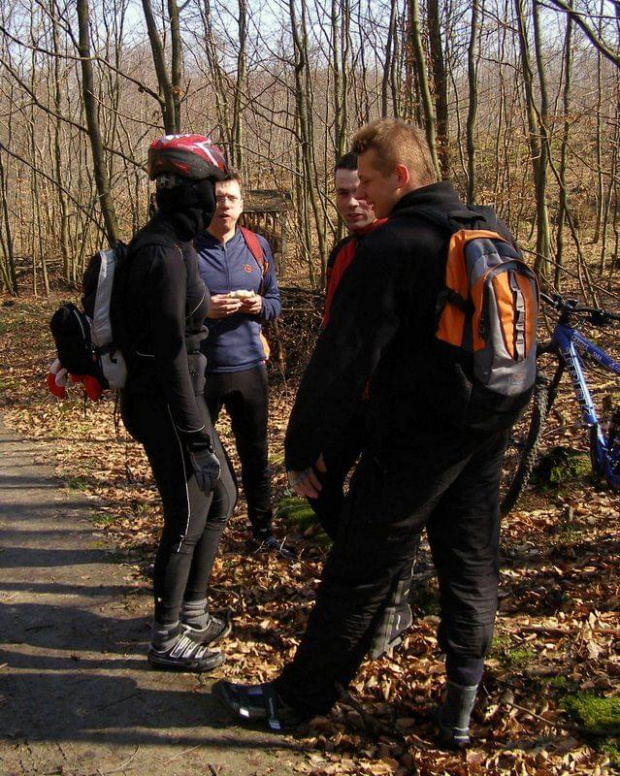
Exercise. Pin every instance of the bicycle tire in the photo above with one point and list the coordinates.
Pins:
(522, 450)
(597, 472)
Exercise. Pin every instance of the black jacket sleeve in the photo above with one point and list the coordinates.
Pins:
(365, 316)
(167, 299)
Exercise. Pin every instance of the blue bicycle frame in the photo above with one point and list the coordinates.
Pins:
(566, 341)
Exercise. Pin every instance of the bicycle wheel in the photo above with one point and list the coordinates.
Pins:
(597, 471)
(522, 450)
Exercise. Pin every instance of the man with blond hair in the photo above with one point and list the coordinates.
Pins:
(421, 466)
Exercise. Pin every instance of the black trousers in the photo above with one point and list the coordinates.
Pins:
(245, 397)
(339, 460)
(193, 522)
(451, 486)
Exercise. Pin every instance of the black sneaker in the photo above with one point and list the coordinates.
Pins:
(258, 703)
(185, 654)
(271, 544)
(215, 630)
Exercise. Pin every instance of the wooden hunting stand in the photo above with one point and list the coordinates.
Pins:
(266, 211)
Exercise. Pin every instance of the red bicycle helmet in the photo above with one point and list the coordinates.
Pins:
(189, 156)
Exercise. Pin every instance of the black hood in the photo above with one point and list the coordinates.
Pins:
(189, 209)
(437, 195)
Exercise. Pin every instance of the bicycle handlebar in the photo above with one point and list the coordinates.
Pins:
(567, 307)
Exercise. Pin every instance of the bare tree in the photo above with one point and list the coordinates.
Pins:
(92, 120)
(440, 85)
(169, 83)
(537, 142)
(472, 71)
(563, 204)
(422, 80)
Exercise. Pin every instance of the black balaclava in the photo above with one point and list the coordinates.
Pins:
(189, 207)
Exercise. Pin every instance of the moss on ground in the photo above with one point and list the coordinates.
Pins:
(297, 512)
(598, 717)
(593, 713)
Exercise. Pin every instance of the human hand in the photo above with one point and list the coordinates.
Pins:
(223, 305)
(306, 483)
(252, 305)
(206, 467)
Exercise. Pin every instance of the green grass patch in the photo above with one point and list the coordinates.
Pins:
(103, 519)
(557, 682)
(78, 483)
(518, 658)
(561, 466)
(515, 657)
(297, 512)
(612, 750)
(276, 459)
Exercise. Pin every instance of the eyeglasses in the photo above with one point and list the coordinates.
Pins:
(232, 198)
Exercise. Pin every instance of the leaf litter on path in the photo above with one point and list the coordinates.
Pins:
(557, 629)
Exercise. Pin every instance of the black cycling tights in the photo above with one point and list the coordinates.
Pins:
(193, 522)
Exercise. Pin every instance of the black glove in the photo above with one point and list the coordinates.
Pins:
(206, 466)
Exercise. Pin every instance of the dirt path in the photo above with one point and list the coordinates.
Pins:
(76, 695)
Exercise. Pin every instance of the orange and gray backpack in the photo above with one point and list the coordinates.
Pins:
(489, 309)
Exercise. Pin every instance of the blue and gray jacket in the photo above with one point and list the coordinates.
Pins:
(234, 342)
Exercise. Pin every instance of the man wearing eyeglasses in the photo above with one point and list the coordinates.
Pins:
(238, 269)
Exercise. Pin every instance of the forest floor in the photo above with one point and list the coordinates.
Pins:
(550, 701)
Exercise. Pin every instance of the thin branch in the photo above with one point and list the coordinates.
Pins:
(86, 211)
(72, 58)
(589, 32)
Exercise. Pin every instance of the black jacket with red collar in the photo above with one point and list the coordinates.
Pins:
(382, 327)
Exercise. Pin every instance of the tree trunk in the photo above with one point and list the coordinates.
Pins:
(220, 87)
(422, 79)
(92, 122)
(563, 205)
(9, 271)
(388, 64)
(440, 83)
(472, 70)
(536, 149)
(598, 140)
(167, 98)
(303, 92)
(176, 64)
(237, 119)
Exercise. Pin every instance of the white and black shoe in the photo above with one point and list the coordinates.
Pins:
(185, 654)
(214, 631)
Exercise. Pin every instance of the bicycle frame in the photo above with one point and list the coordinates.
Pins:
(564, 341)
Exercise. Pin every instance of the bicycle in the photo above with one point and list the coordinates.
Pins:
(568, 348)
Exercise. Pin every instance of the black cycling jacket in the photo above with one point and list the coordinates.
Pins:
(382, 327)
(164, 303)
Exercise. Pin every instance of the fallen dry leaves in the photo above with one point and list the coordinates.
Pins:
(559, 605)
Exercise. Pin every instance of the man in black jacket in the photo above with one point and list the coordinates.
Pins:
(420, 467)
(360, 221)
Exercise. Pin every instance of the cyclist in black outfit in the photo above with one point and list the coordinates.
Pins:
(158, 309)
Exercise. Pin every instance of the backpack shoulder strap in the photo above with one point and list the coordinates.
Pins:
(144, 240)
(256, 249)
